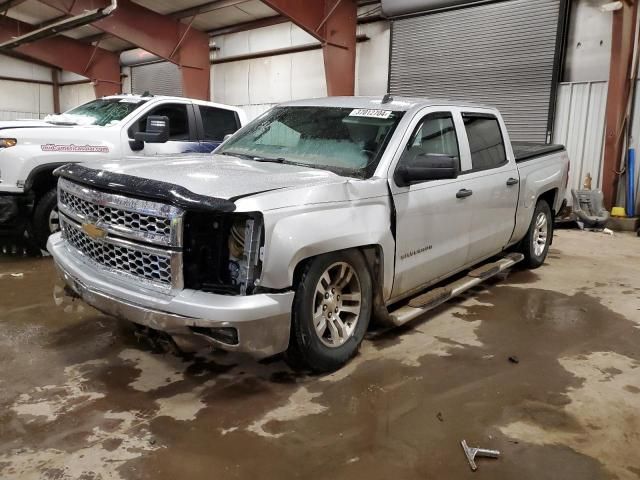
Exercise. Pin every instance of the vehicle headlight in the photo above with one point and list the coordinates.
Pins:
(8, 142)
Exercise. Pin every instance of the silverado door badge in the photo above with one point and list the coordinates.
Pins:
(93, 231)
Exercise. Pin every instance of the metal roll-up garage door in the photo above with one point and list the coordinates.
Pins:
(502, 54)
(161, 78)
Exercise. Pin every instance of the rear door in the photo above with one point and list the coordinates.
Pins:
(432, 223)
(183, 137)
(213, 125)
(493, 180)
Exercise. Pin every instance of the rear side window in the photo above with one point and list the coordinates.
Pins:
(485, 141)
(218, 122)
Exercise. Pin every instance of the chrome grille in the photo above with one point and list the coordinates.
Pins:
(126, 237)
(154, 267)
(134, 219)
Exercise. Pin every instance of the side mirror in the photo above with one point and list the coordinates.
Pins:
(227, 137)
(424, 167)
(157, 130)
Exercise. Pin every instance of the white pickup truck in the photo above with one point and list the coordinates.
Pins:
(308, 223)
(102, 129)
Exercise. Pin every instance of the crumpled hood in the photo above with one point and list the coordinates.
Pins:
(219, 176)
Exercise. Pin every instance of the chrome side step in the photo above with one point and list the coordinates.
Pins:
(428, 301)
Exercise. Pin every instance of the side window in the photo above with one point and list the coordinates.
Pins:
(178, 121)
(485, 141)
(436, 135)
(218, 122)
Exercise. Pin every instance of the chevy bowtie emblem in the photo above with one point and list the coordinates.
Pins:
(93, 230)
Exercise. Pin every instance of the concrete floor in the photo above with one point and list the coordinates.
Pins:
(80, 398)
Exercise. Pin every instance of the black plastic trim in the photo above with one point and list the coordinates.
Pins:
(525, 151)
(144, 188)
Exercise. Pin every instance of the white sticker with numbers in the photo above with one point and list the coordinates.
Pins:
(370, 112)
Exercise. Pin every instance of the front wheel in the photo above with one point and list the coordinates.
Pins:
(535, 245)
(46, 219)
(331, 311)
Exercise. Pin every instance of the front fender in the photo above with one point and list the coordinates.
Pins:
(292, 237)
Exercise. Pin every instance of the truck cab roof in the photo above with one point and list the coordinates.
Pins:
(394, 102)
(167, 98)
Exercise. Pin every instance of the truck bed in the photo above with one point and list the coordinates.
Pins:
(525, 151)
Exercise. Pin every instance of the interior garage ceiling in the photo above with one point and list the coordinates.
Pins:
(209, 15)
(394, 8)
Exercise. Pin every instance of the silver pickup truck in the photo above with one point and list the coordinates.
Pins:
(312, 221)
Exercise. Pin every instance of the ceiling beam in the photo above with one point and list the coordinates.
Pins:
(7, 4)
(205, 8)
(101, 66)
(161, 35)
(243, 27)
(333, 23)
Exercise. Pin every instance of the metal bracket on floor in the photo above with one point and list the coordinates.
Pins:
(472, 453)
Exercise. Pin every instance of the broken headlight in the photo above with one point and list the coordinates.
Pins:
(222, 252)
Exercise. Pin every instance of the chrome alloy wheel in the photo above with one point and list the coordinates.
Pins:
(337, 304)
(54, 220)
(540, 234)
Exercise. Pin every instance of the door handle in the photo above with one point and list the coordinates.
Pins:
(512, 181)
(463, 193)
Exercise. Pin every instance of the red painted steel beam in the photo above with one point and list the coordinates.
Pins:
(619, 93)
(159, 34)
(333, 22)
(101, 66)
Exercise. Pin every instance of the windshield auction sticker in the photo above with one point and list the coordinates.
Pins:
(50, 147)
(370, 112)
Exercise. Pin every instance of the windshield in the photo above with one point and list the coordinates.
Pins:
(102, 112)
(347, 141)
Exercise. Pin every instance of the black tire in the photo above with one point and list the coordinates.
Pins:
(41, 216)
(306, 349)
(527, 247)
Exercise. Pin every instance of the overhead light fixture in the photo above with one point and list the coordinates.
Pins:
(64, 25)
(611, 7)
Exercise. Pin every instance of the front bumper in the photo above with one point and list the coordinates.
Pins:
(262, 321)
(15, 211)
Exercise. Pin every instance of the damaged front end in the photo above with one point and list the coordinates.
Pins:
(168, 259)
(222, 252)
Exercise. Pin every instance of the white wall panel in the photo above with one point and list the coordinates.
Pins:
(579, 125)
(259, 83)
(270, 79)
(74, 95)
(25, 100)
(21, 99)
(372, 59)
(12, 67)
(307, 75)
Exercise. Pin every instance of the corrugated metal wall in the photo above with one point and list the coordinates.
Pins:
(161, 78)
(579, 125)
(499, 53)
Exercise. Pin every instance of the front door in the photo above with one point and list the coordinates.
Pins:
(432, 219)
(183, 136)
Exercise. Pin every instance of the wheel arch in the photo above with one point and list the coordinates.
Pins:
(41, 179)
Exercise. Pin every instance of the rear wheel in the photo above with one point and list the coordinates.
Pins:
(331, 311)
(535, 245)
(46, 219)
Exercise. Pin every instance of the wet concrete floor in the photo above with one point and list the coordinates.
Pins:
(82, 398)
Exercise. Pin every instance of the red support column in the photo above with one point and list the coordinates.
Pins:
(619, 91)
(159, 34)
(101, 66)
(333, 22)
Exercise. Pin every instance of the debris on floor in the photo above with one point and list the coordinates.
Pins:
(514, 359)
(472, 453)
